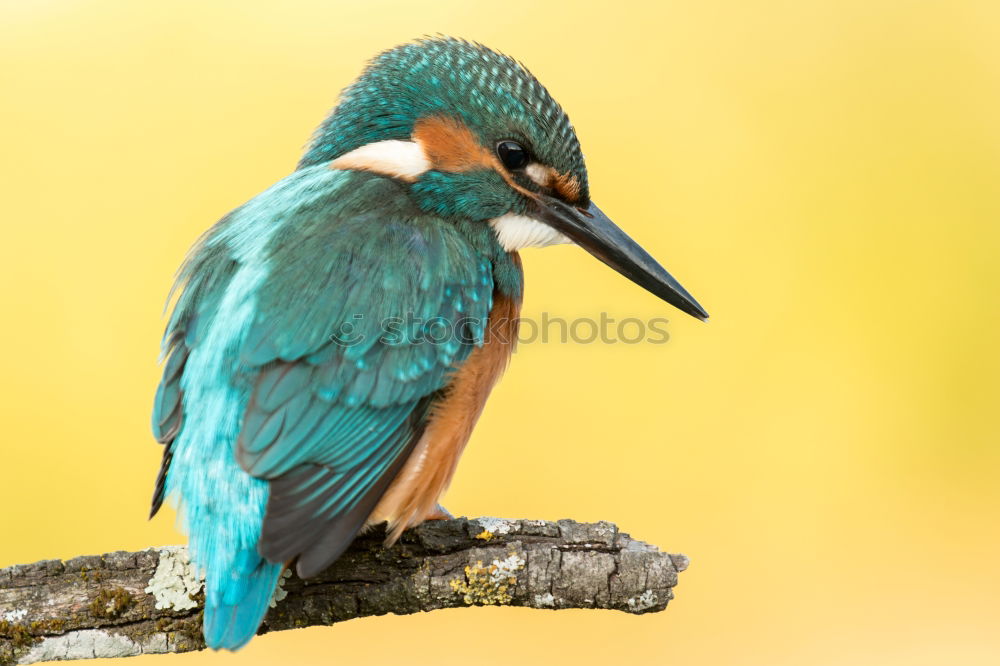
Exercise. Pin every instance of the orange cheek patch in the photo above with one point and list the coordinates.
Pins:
(450, 145)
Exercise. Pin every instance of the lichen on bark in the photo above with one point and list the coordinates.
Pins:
(127, 604)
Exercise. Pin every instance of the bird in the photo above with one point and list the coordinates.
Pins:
(332, 341)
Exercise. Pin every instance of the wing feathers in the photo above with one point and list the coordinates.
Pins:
(167, 416)
(348, 344)
(333, 504)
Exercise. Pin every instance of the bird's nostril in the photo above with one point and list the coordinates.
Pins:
(585, 212)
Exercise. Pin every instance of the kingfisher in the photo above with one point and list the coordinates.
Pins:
(333, 340)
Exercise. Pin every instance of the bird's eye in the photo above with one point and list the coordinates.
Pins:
(512, 154)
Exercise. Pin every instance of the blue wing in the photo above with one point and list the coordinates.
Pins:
(357, 329)
(304, 354)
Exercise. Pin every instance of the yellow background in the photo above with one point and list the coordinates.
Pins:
(823, 176)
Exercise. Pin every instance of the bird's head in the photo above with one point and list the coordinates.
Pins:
(476, 136)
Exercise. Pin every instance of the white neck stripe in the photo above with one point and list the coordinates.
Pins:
(405, 160)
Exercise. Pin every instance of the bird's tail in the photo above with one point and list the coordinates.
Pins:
(236, 602)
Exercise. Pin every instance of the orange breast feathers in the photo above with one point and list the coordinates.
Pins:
(412, 498)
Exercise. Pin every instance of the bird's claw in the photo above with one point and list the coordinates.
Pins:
(439, 513)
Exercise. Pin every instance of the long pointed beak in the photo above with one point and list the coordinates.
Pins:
(593, 231)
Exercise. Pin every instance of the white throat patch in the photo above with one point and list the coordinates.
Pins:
(516, 232)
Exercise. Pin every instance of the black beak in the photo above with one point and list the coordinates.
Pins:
(593, 231)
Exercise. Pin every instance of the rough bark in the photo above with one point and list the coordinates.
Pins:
(125, 604)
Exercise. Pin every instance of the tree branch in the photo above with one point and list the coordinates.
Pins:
(124, 604)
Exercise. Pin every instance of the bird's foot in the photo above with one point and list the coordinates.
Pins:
(439, 513)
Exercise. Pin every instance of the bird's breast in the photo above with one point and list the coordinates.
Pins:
(413, 495)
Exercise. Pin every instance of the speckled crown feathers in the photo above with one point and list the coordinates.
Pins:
(492, 93)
